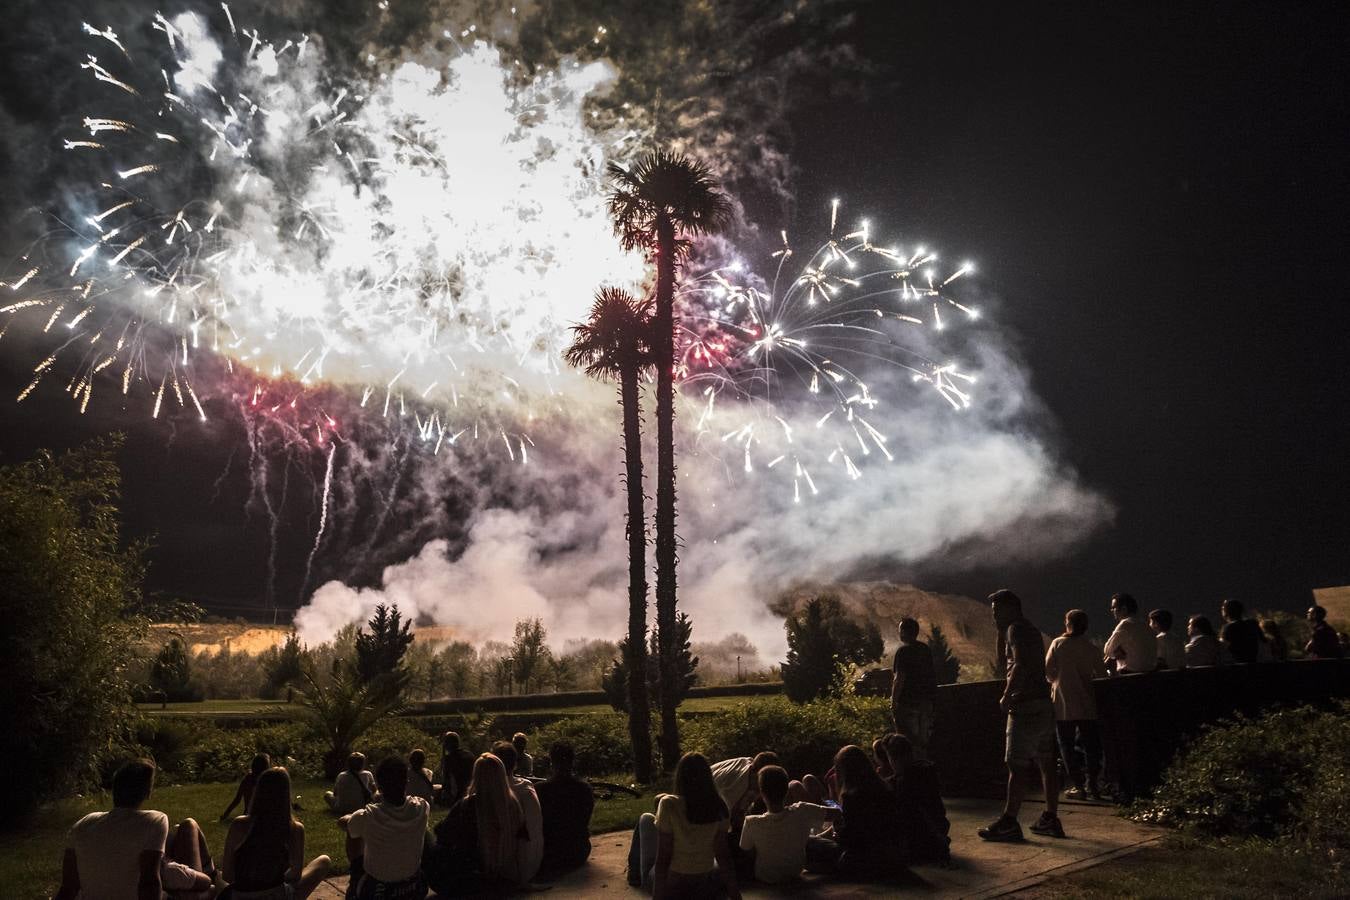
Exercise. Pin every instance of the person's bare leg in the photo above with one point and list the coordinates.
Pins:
(187, 845)
(318, 869)
(1017, 789)
(1050, 781)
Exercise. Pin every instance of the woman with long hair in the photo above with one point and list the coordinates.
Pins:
(684, 851)
(870, 834)
(479, 840)
(264, 855)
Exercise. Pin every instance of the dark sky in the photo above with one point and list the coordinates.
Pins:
(1157, 192)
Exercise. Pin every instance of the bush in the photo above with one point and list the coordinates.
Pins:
(805, 736)
(599, 739)
(1283, 776)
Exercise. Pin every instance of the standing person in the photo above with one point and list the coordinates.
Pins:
(913, 688)
(1071, 663)
(1274, 640)
(524, 761)
(1203, 648)
(456, 768)
(261, 763)
(1241, 637)
(869, 834)
(353, 789)
(478, 842)
(566, 803)
(684, 849)
(532, 846)
(780, 839)
(1132, 647)
(419, 777)
(385, 840)
(127, 853)
(1325, 643)
(264, 856)
(1030, 737)
(1171, 648)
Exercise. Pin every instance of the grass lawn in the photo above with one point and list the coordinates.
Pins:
(1183, 867)
(216, 708)
(30, 860)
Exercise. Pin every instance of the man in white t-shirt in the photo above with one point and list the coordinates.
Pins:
(780, 837)
(385, 839)
(1132, 647)
(120, 854)
(353, 789)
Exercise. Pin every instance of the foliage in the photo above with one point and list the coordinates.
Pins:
(822, 642)
(601, 742)
(665, 186)
(346, 707)
(528, 651)
(380, 652)
(171, 673)
(1284, 775)
(804, 735)
(67, 587)
(945, 664)
(229, 675)
(282, 668)
(615, 680)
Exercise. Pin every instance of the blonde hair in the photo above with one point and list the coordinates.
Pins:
(499, 816)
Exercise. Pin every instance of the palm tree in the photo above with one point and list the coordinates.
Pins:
(345, 707)
(615, 343)
(656, 205)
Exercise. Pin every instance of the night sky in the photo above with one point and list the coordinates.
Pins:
(1157, 194)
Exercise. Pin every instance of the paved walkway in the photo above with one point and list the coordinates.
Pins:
(979, 869)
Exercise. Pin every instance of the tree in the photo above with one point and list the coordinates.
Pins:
(345, 706)
(381, 651)
(656, 205)
(945, 663)
(562, 672)
(616, 343)
(68, 586)
(171, 673)
(283, 668)
(822, 643)
(686, 668)
(528, 651)
(457, 660)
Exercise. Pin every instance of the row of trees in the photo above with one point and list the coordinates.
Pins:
(657, 207)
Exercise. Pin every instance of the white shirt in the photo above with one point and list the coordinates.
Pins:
(1172, 650)
(779, 840)
(347, 794)
(732, 777)
(108, 847)
(532, 851)
(420, 784)
(1133, 635)
(393, 837)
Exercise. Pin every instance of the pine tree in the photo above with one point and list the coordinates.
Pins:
(822, 643)
(285, 669)
(381, 651)
(945, 663)
(171, 672)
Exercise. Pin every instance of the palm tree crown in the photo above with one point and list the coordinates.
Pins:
(665, 185)
(615, 337)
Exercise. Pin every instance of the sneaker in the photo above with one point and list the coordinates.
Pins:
(1001, 829)
(1075, 793)
(1049, 826)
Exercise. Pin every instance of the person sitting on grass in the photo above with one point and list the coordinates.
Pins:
(780, 841)
(420, 782)
(261, 763)
(264, 856)
(1203, 648)
(532, 847)
(683, 849)
(478, 843)
(524, 761)
(353, 789)
(127, 852)
(385, 839)
(869, 834)
(456, 768)
(566, 803)
(923, 815)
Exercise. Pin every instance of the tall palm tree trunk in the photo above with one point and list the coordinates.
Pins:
(639, 707)
(664, 347)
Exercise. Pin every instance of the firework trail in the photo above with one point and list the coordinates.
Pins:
(323, 519)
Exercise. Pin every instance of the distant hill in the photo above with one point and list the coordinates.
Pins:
(249, 638)
(966, 623)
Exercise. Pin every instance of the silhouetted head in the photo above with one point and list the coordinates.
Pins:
(391, 776)
(269, 814)
(1075, 622)
(773, 785)
(695, 786)
(883, 762)
(261, 763)
(520, 742)
(1006, 606)
(450, 742)
(562, 757)
(1123, 606)
(1271, 629)
(417, 760)
(356, 763)
(1199, 625)
(855, 771)
(507, 754)
(1160, 620)
(899, 751)
(132, 783)
(1232, 610)
(1316, 614)
(909, 629)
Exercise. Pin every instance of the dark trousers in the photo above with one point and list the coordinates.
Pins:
(1089, 739)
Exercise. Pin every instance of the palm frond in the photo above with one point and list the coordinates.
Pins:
(664, 183)
(614, 338)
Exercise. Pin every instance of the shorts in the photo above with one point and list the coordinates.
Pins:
(1031, 733)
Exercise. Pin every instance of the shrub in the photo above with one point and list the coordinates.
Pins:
(1282, 775)
(600, 740)
(805, 736)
